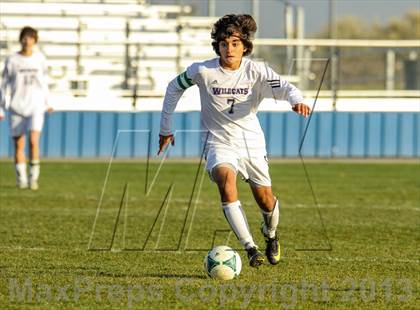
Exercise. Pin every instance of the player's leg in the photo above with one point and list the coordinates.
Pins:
(20, 161)
(269, 207)
(34, 164)
(255, 170)
(222, 162)
(36, 121)
(18, 127)
(225, 178)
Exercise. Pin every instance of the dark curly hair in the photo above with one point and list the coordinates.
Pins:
(242, 24)
(28, 31)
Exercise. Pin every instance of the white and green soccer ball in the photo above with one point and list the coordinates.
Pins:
(222, 263)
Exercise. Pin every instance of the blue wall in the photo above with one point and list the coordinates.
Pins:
(339, 134)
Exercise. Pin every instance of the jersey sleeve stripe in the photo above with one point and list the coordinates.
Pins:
(183, 81)
(186, 79)
(180, 83)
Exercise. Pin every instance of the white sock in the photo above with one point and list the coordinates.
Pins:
(21, 174)
(237, 221)
(271, 220)
(34, 170)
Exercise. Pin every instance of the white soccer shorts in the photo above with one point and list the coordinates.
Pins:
(252, 167)
(20, 125)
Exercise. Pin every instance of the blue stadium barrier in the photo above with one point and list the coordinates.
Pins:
(330, 134)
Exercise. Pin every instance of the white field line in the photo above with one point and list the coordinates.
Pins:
(330, 258)
(216, 203)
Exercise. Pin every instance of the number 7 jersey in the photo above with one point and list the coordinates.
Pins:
(229, 100)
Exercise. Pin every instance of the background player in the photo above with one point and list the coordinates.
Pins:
(231, 89)
(25, 73)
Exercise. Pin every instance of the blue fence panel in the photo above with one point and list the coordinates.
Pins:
(106, 134)
(338, 134)
(309, 147)
(416, 136)
(275, 138)
(179, 134)
(342, 135)
(72, 138)
(124, 129)
(142, 134)
(325, 136)
(293, 135)
(194, 145)
(5, 141)
(373, 135)
(53, 134)
(405, 134)
(357, 134)
(390, 135)
(87, 134)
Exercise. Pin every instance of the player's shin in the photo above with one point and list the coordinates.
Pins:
(237, 221)
(34, 172)
(271, 220)
(21, 175)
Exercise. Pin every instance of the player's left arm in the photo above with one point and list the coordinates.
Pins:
(45, 88)
(278, 88)
(302, 109)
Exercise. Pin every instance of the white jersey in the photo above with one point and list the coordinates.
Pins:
(26, 76)
(229, 100)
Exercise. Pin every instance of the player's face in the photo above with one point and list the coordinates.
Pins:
(27, 43)
(231, 52)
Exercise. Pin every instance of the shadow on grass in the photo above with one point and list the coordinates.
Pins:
(91, 272)
(174, 276)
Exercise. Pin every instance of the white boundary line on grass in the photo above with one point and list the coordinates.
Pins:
(330, 258)
(288, 207)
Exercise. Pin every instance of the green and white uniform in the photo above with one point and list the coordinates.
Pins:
(229, 106)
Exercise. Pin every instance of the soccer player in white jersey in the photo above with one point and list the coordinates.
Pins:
(231, 89)
(25, 74)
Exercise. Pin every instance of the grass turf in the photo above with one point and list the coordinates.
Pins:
(371, 221)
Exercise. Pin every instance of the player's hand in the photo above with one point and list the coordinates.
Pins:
(302, 109)
(164, 141)
(50, 109)
(1, 117)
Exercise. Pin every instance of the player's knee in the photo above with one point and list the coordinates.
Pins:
(266, 201)
(228, 191)
(34, 142)
(267, 205)
(20, 147)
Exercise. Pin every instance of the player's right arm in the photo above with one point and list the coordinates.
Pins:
(5, 80)
(173, 93)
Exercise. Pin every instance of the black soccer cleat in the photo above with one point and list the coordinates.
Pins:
(256, 258)
(272, 250)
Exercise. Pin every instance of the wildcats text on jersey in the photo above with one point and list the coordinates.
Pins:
(28, 70)
(230, 91)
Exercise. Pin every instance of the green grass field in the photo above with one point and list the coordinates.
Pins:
(370, 212)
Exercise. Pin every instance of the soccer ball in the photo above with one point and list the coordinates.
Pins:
(222, 263)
